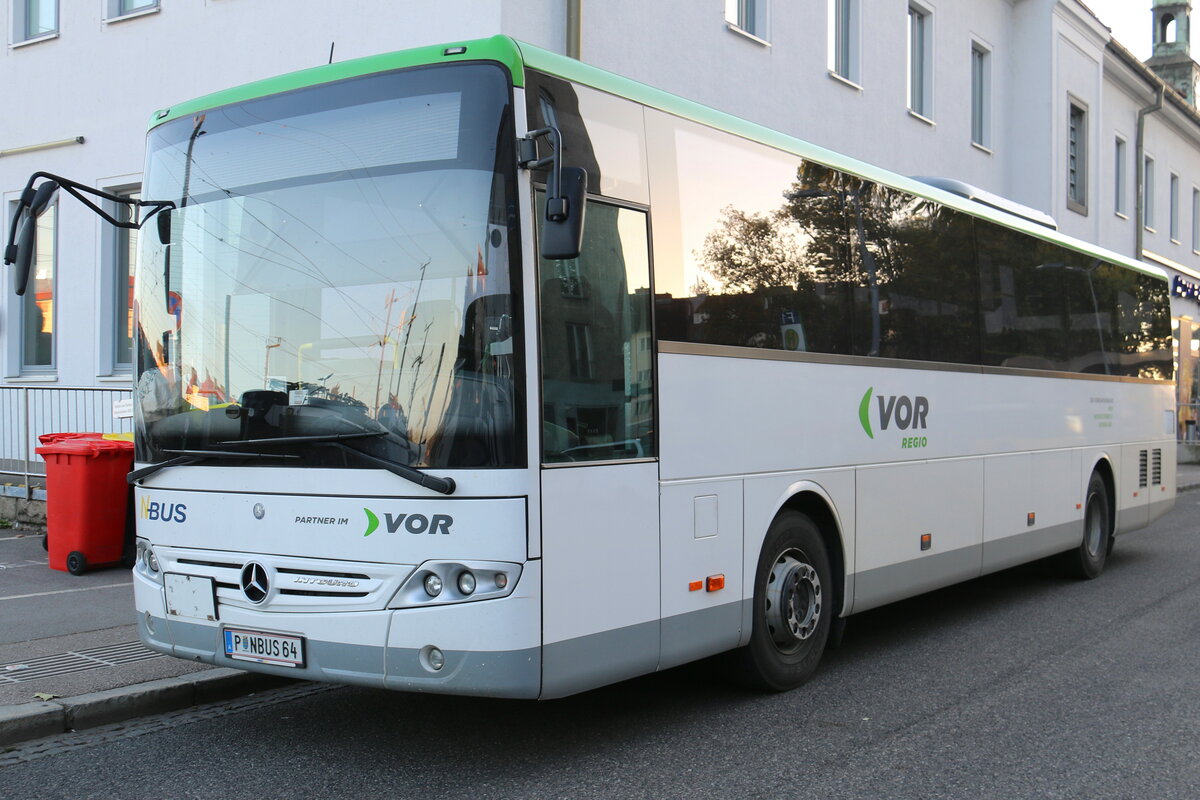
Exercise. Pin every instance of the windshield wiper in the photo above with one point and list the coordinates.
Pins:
(191, 457)
(338, 440)
(316, 438)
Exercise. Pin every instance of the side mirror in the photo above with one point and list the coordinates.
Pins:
(26, 245)
(562, 229)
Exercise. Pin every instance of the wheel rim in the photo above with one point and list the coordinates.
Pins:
(794, 600)
(1093, 527)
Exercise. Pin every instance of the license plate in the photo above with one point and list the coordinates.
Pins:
(264, 648)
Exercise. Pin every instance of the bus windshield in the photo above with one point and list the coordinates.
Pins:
(341, 263)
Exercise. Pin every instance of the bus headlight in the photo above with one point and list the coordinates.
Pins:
(446, 582)
(146, 557)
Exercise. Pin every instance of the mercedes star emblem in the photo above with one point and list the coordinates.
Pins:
(259, 511)
(254, 582)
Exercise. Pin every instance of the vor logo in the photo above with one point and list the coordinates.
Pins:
(413, 523)
(906, 412)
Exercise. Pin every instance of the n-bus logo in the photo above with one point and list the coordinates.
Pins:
(906, 413)
(163, 512)
(412, 523)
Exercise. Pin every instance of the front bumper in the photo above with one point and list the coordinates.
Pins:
(491, 647)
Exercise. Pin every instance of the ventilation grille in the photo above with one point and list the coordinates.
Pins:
(1142, 468)
(1156, 468)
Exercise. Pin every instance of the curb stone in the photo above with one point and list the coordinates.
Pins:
(25, 721)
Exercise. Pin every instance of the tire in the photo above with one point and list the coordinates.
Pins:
(793, 606)
(46, 541)
(76, 563)
(1087, 561)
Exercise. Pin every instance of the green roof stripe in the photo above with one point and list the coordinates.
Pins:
(497, 48)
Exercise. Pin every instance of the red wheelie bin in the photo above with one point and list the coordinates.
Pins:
(50, 438)
(86, 501)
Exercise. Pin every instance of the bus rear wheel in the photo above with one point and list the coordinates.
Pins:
(1087, 561)
(793, 606)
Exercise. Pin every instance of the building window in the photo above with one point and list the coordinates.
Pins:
(1195, 220)
(120, 8)
(748, 15)
(1174, 220)
(981, 100)
(33, 19)
(920, 63)
(1148, 194)
(1077, 158)
(1119, 177)
(843, 39)
(37, 306)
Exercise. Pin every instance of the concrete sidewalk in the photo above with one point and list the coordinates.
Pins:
(70, 657)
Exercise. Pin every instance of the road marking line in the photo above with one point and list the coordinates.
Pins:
(65, 591)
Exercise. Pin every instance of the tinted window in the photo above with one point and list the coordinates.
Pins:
(1022, 300)
(763, 249)
(916, 260)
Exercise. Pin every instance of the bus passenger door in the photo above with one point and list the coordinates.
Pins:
(599, 506)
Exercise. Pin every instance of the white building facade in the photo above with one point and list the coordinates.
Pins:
(1028, 99)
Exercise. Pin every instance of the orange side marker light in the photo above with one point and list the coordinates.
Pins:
(695, 586)
(715, 583)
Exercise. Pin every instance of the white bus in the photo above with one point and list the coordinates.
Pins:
(398, 426)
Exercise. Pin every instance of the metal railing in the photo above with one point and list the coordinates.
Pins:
(27, 412)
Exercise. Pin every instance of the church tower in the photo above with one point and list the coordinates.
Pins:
(1172, 58)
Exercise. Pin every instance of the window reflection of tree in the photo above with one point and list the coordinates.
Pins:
(870, 270)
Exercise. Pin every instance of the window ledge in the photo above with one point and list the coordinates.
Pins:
(983, 148)
(1151, 230)
(1120, 215)
(732, 28)
(116, 377)
(35, 40)
(49, 377)
(1176, 241)
(141, 12)
(922, 118)
(1078, 208)
(844, 80)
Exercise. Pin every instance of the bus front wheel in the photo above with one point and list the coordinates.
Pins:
(793, 606)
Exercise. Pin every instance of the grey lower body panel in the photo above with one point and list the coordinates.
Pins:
(513, 674)
(699, 634)
(1160, 507)
(1010, 551)
(586, 662)
(876, 587)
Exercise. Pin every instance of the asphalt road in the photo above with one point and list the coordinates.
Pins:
(36, 602)
(1021, 684)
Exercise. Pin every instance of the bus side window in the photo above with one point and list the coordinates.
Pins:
(597, 355)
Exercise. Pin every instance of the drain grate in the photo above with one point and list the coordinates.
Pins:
(110, 655)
